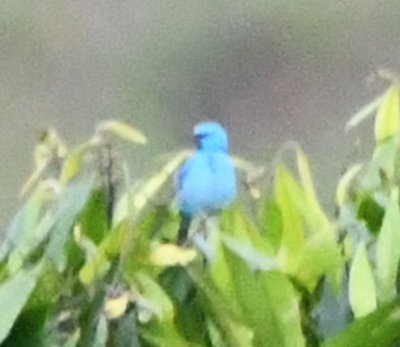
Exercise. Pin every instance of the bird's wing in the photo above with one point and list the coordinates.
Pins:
(181, 174)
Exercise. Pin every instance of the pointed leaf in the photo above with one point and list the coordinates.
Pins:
(123, 130)
(388, 250)
(219, 305)
(150, 290)
(73, 162)
(136, 199)
(379, 329)
(252, 257)
(364, 112)
(14, 293)
(384, 157)
(73, 339)
(71, 203)
(362, 294)
(342, 190)
(387, 121)
(308, 185)
(100, 339)
(271, 223)
(96, 265)
(287, 191)
(116, 307)
(171, 255)
(319, 257)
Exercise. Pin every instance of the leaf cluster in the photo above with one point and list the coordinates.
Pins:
(90, 260)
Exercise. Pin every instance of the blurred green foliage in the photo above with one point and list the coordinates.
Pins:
(90, 259)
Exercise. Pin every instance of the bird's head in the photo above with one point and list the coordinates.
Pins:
(211, 136)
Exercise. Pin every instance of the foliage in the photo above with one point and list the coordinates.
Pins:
(90, 260)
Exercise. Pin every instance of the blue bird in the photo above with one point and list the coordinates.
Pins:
(207, 180)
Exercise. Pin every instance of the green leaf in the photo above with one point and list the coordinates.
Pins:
(316, 221)
(162, 307)
(216, 335)
(388, 250)
(220, 306)
(379, 329)
(48, 287)
(387, 122)
(264, 300)
(320, 256)
(164, 334)
(137, 199)
(220, 271)
(20, 232)
(157, 313)
(100, 338)
(73, 340)
(271, 222)
(287, 191)
(190, 316)
(29, 329)
(32, 241)
(252, 257)
(264, 303)
(309, 191)
(384, 157)
(98, 259)
(371, 212)
(96, 265)
(49, 149)
(234, 222)
(93, 218)
(73, 163)
(71, 203)
(14, 294)
(308, 250)
(362, 293)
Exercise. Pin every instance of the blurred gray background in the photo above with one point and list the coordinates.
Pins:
(271, 71)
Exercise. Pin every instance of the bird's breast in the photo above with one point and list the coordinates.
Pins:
(209, 183)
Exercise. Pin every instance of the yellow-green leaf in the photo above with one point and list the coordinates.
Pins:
(388, 250)
(344, 183)
(123, 131)
(95, 267)
(96, 264)
(34, 177)
(133, 202)
(116, 307)
(171, 255)
(362, 293)
(314, 210)
(151, 291)
(287, 191)
(387, 122)
(384, 157)
(73, 162)
(364, 112)
(73, 339)
(320, 256)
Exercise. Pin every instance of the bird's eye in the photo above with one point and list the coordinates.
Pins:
(200, 136)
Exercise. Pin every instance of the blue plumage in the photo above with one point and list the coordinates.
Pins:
(207, 180)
